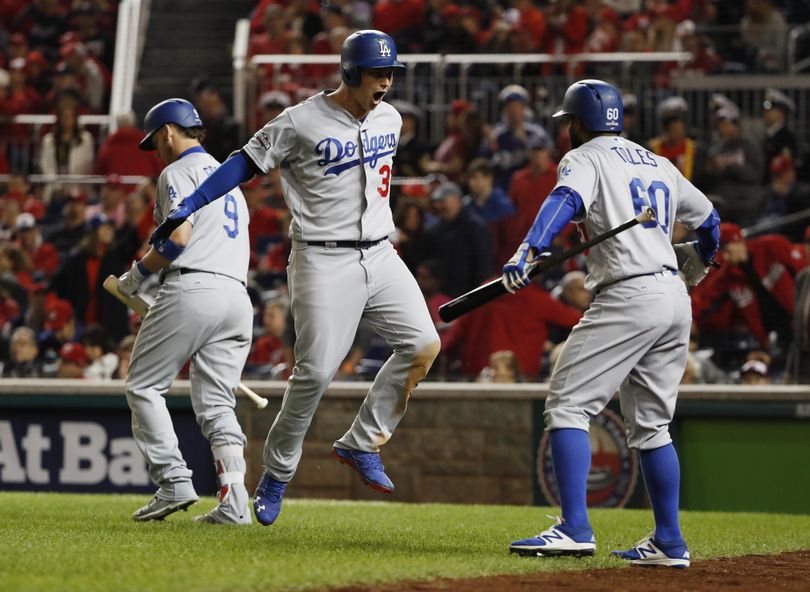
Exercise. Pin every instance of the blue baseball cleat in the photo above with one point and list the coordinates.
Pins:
(267, 499)
(650, 552)
(369, 465)
(557, 541)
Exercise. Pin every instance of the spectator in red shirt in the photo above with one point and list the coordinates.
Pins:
(43, 21)
(450, 157)
(429, 276)
(265, 224)
(93, 80)
(395, 16)
(59, 324)
(567, 29)
(270, 350)
(19, 189)
(532, 21)
(79, 280)
(527, 190)
(271, 39)
(21, 97)
(505, 324)
(119, 153)
(43, 256)
(72, 361)
(756, 284)
(605, 27)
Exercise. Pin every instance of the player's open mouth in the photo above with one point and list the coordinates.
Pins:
(378, 96)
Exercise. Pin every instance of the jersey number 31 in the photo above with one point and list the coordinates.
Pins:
(649, 197)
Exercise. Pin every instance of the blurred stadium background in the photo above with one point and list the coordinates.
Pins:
(719, 87)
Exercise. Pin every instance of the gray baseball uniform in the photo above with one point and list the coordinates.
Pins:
(336, 174)
(635, 335)
(202, 312)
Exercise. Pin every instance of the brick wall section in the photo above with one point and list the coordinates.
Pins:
(445, 450)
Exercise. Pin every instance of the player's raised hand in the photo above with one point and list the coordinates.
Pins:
(517, 269)
(172, 221)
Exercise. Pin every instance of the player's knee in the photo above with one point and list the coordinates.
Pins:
(557, 418)
(648, 438)
(422, 361)
(220, 426)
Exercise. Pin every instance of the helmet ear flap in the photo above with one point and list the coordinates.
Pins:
(350, 75)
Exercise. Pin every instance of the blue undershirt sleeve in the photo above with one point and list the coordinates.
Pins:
(708, 236)
(235, 170)
(560, 207)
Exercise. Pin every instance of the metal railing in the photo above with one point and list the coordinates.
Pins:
(130, 34)
(433, 80)
(795, 37)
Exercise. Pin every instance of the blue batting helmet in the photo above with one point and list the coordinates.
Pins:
(366, 49)
(598, 104)
(177, 111)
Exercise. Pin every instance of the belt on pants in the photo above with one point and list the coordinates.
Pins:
(344, 244)
(186, 270)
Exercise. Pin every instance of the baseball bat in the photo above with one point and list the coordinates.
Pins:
(774, 223)
(140, 306)
(494, 289)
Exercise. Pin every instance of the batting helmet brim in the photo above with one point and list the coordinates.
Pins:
(147, 143)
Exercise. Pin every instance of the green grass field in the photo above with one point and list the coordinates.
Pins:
(88, 542)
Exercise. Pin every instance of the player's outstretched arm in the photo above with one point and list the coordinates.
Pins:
(559, 208)
(237, 169)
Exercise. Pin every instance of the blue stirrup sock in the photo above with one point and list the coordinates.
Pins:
(571, 454)
(662, 476)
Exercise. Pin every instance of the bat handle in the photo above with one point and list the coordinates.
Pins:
(260, 401)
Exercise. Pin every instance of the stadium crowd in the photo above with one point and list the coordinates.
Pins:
(461, 209)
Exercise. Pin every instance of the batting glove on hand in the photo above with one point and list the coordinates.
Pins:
(129, 282)
(691, 263)
(170, 224)
(517, 269)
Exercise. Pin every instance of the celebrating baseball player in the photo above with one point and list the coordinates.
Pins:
(634, 337)
(335, 151)
(202, 312)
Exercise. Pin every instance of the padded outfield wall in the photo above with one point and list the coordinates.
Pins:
(742, 448)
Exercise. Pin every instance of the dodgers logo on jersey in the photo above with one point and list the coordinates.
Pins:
(614, 466)
(336, 153)
(385, 51)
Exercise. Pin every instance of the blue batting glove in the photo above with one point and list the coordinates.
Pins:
(172, 221)
(517, 269)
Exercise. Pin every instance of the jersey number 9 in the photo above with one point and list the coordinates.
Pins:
(232, 213)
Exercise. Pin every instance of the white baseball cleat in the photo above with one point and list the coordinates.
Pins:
(158, 508)
(556, 542)
(650, 552)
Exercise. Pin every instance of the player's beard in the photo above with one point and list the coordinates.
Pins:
(576, 139)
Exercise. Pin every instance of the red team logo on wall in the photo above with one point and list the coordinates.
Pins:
(614, 466)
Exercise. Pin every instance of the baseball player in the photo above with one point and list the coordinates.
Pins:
(634, 336)
(335, 151)
(202, 311)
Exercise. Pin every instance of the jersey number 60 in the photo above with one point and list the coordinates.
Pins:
(648, 197)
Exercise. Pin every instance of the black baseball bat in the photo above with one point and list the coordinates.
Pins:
(493, 289)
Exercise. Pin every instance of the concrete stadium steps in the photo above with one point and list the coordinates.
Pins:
(186, 39)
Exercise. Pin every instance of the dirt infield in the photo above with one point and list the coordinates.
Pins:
(757, 573)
